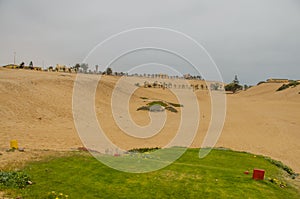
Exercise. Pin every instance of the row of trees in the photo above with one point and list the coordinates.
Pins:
(157, 84)
(84, 68)
(234, 86)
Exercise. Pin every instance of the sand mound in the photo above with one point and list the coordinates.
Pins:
(36, 109)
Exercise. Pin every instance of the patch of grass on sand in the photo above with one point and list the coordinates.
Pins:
(292, 84)
(218, 175)
(158, 102)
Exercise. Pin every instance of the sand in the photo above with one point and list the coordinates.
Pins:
(36, 110)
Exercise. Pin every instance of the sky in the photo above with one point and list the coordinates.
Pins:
(253, 39)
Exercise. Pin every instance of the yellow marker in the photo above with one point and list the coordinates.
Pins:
(14, 144)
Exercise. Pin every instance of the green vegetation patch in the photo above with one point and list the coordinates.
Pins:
(158, 102)
(167, 105)
(282, 166)
(143, 108)
(175, 105)
(285, 86)
(14, 179)
(218, 175)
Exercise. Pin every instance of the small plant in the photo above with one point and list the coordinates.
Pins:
(13, 179)
(144, 98)
(54, 195)
(278, 182)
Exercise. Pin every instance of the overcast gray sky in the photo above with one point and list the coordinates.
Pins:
(255, 39)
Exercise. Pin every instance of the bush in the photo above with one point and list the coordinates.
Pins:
(293, 84)
(233, 87)
(14, 179)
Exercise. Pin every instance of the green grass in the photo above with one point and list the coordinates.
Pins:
(157, 102)
(219, 175)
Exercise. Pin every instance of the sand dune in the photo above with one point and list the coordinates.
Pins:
(36, 109)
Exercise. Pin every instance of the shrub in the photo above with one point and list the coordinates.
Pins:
(14, 179)
(233, 87)
(293, 84)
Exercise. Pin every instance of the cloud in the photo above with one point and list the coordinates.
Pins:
(254, 39)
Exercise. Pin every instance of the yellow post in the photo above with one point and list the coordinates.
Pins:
(14, 144)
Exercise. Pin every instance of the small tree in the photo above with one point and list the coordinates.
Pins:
(234, 85)
(84, 67)
(236, 80)
(22, 65)
(109, 71)
(77, 66)
(31, 65)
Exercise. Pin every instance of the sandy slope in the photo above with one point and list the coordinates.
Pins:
(36, 109)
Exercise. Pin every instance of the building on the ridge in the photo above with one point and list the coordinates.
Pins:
(276, 80)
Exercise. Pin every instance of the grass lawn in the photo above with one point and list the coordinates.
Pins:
(219, 175)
